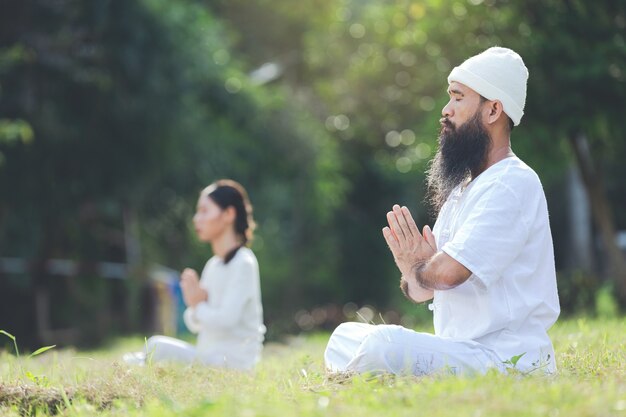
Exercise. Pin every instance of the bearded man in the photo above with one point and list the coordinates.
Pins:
(488, 263)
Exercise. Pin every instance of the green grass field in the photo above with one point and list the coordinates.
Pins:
(291, 381)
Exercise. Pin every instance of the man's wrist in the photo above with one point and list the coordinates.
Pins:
(404, 287)
(417, 273)
(411, 275)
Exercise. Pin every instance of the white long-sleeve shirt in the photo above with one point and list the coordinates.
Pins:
(230, 323)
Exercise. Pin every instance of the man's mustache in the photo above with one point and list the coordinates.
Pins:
(445, 122)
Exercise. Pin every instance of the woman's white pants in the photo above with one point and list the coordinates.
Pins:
(361, 347)
(169, 349)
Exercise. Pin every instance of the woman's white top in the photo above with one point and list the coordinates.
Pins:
(230, 323)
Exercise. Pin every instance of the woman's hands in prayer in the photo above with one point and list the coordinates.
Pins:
(409, 247)
(190, 285)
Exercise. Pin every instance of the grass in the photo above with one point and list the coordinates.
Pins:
(291, 381)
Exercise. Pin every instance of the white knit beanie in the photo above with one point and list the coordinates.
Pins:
(496, 74)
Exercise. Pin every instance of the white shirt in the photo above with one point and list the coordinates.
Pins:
(230, 323)
(498, 228)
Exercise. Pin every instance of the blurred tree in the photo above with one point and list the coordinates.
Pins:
(375, 73)
(576, 93)
(136, 106)
(12, 131)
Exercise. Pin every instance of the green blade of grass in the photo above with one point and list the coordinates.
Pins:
(10, 336)
(41, 350)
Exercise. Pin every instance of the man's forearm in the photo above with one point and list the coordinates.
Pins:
(438, 273)
(426, 278)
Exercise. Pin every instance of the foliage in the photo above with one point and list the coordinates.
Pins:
(575, 91)
(606, 304)
(375, 72)
(12, 131)
(40, 380)
(114, 115)
(137, 106)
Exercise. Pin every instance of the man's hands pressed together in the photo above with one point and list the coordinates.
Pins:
(409, 247)
(423, 269)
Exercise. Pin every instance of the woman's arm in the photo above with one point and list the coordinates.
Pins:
(227, 311)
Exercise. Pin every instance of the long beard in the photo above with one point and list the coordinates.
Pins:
(462, 155)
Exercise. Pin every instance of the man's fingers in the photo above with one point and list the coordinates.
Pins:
(402, 221)
(391, 239)
(430, 238)
(408, 218)
(392, 219)
(393, 234)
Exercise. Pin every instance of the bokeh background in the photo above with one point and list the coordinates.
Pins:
(114, 114)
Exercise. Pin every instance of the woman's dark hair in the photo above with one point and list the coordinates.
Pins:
(228, 193)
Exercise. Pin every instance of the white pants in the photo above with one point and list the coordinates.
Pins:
(361, 347)
(169, 349)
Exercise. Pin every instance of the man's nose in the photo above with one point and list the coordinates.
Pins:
(447, 110)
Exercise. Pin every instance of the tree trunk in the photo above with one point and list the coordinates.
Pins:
(133, 281)
(601, 211)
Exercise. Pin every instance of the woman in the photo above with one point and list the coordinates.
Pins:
(224, 305)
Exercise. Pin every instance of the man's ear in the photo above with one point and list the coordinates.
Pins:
(495, 111)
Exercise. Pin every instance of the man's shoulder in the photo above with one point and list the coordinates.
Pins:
(513, 174)
(509, 183)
